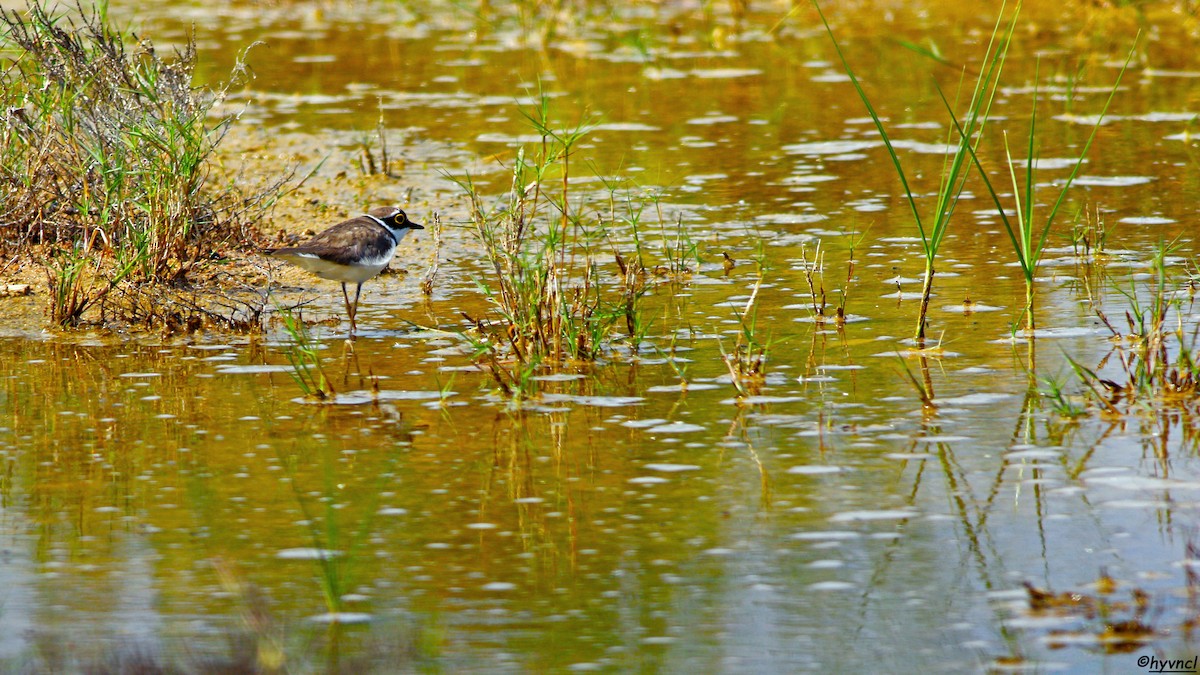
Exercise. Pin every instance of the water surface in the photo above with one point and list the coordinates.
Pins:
(177, 496)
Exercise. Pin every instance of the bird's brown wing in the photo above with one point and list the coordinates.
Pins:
(346, 243)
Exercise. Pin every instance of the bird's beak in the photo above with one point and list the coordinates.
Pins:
(414, 226)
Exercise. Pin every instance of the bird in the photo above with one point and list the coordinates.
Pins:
(352, 251)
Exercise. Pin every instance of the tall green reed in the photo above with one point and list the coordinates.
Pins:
(955, 168)
(1028, 239)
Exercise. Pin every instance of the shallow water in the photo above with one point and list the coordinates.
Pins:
(165, 495)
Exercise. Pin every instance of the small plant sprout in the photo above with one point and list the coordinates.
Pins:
(431, 274)
(304, 357)
(1157, 354)
(854, 241)
(1053, 389)
(813, 271)
(1089, 234)
(747, 361)
(366, 160)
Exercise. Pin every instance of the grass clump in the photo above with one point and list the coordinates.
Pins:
(561, 288)
(104, 157)
(1155, 357)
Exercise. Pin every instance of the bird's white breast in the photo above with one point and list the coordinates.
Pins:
(353, 274)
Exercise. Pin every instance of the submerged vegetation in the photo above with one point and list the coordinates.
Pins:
(747, 359)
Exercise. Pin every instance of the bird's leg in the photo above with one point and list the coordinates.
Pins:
(349, 309)
(357, 290)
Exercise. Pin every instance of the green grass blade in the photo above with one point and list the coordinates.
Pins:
(887, 141)
(979, 111)
(1032, 253)
(928, 53)
(1091, 137)
(1024, 256)
(987, 182)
